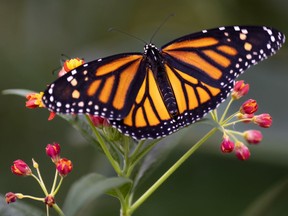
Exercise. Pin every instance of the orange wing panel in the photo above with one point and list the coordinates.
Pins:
(196, 43)
(195, 60)
(126, 77)
(114, 65)
(177, 89)
(220, 59)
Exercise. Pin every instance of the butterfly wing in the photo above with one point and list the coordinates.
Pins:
(148, 113)
(105, 87)
(201, 69)
(219, 55)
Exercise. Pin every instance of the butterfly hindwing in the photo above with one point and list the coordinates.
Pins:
(149, 118)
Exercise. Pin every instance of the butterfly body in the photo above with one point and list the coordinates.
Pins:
(155, 93)
(156, 63)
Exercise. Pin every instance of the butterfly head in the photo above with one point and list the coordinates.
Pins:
(150, 48)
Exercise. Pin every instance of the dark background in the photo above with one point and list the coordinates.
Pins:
(33, 35)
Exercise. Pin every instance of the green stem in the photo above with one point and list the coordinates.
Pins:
(214, 115)
(54, 182)
(235, 122)
(170, 171)
(226, 110)
(114, 164)
(40, 182)
(58, 210)
(58, 187)
(138, 148)
(126, 156)
(47, 210)
(136, 158)
(33, 198)
(124, 204)
(229, 118)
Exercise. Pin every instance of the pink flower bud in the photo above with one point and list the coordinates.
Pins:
(227, 145)
(240, 89)
(53, 151)
(64, 167)
(253, 136)
(20, 168)
(98, 121)
(249, 107)
(241, 151)
(10, 197)
(263, 120)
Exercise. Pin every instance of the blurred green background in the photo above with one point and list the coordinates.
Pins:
(35, 33)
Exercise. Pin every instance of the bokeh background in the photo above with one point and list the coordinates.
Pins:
(33, 35)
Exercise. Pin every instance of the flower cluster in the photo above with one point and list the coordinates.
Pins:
(246, 114)
(63, 168)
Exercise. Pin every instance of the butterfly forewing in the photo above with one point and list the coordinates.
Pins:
(218, 56)
(106, 87)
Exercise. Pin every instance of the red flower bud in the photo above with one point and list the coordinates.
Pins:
(20, 168)
(64, 166)
(263, 120)
(227, 145)
(53, 151)
(253, 136)
(242, 152)
(49, 200)
(34, 100)
(70, 65)
(10, 197)
(240, 89)
(98, 121)
(249, 107)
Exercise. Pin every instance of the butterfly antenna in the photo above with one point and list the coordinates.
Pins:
(126, 33)
(160, 26)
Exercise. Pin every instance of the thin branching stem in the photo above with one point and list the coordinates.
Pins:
(170, 171)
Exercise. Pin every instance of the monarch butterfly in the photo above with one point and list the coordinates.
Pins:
(157, 92)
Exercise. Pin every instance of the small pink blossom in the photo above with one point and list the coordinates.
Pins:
(241, 151)
(240, 89)
(253, 136)
(263, 120)
(227, 145)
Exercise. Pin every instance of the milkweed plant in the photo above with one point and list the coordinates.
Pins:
(127, 155)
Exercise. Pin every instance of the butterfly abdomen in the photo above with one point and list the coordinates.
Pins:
(156, 64)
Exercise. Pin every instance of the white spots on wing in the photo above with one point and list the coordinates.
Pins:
(69, 78)
(243, 36)
(236, 28)
(74, 82)
(75, 94)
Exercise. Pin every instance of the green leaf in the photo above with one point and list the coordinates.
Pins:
(123, 189)
(155, 158)
(18, 209)
(267, 200)
(19, 92)
(87, 189)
